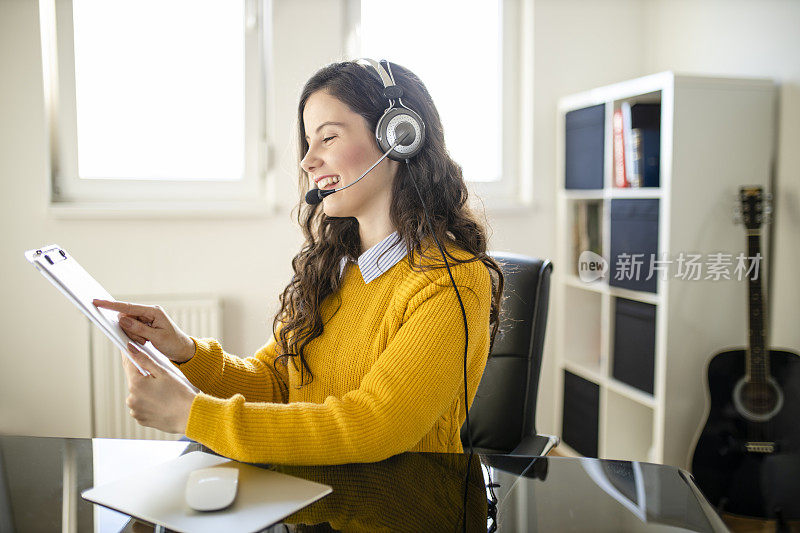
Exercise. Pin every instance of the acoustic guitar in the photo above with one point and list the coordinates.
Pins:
(747, 457)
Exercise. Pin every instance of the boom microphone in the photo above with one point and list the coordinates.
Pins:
(405, 133)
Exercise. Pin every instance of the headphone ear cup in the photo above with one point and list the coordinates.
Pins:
(385, 133)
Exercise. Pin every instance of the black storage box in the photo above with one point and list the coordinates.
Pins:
(633, 360)
(583, 163)
(634, 231)
(580, 419)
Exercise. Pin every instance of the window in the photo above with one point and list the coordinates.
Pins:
(152, 101)
(468, 56)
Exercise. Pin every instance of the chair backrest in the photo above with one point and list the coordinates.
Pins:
(504, 410)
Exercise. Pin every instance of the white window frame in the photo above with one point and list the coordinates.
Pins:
(71, 195)
(514, 190)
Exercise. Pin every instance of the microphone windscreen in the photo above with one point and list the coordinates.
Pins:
(313, 197)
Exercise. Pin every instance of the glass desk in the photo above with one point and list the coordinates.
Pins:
(41, 480)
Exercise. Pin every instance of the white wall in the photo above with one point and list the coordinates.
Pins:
(578, 45)
(747, 38)
(573, 51)
(44, 378)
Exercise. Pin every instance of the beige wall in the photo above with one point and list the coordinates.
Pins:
(579, 45)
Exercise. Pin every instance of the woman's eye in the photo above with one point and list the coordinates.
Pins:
(326, 139)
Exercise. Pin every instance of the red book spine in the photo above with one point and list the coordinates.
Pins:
(620, 179)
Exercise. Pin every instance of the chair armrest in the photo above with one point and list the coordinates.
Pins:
(537, 445)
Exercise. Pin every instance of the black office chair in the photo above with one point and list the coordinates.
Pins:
(503, 415)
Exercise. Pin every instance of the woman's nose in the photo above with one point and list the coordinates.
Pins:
(310, 162)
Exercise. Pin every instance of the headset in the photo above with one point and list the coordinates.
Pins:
(400, 133)
(397, 117)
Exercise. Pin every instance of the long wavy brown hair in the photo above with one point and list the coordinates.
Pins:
(328, 239)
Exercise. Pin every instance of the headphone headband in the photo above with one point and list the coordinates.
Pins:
(387, 80)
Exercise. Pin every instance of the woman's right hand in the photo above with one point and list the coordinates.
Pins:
(144, 323)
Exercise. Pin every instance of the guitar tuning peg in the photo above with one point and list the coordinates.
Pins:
(737, 214)
(767, 213)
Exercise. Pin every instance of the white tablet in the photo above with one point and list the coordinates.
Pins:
(63, 271)
(157, 496)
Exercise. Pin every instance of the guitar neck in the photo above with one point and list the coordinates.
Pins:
(757, 358)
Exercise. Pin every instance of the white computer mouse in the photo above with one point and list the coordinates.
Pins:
(211, 489)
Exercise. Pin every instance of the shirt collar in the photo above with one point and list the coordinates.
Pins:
(379, 258)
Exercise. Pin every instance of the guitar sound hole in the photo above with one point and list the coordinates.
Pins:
(757, 401)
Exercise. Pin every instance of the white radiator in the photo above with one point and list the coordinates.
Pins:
(196, 316)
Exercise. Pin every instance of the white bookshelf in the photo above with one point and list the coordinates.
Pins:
(717, 134)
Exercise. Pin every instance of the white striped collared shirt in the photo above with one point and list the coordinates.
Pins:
(379, 258)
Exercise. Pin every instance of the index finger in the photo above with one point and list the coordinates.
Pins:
(127, 308)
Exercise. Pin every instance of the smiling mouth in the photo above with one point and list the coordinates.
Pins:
(328, 183)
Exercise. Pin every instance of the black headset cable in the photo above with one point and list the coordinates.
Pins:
(466, 341)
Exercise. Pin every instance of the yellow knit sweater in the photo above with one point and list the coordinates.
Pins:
(388, 375)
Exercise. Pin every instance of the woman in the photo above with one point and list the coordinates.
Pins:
(367, 354)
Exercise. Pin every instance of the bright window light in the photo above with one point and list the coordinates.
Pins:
(455, 48)
(160, 89)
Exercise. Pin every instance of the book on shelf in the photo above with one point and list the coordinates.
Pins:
(586, 230)
(636, 158)
(641, 143)
(627, 142)
(620, 180)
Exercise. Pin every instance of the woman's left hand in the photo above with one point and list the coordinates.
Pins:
(159, 400)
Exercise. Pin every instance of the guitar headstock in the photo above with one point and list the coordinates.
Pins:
(754, 207)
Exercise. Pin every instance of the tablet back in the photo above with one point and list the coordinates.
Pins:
(157, 496)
